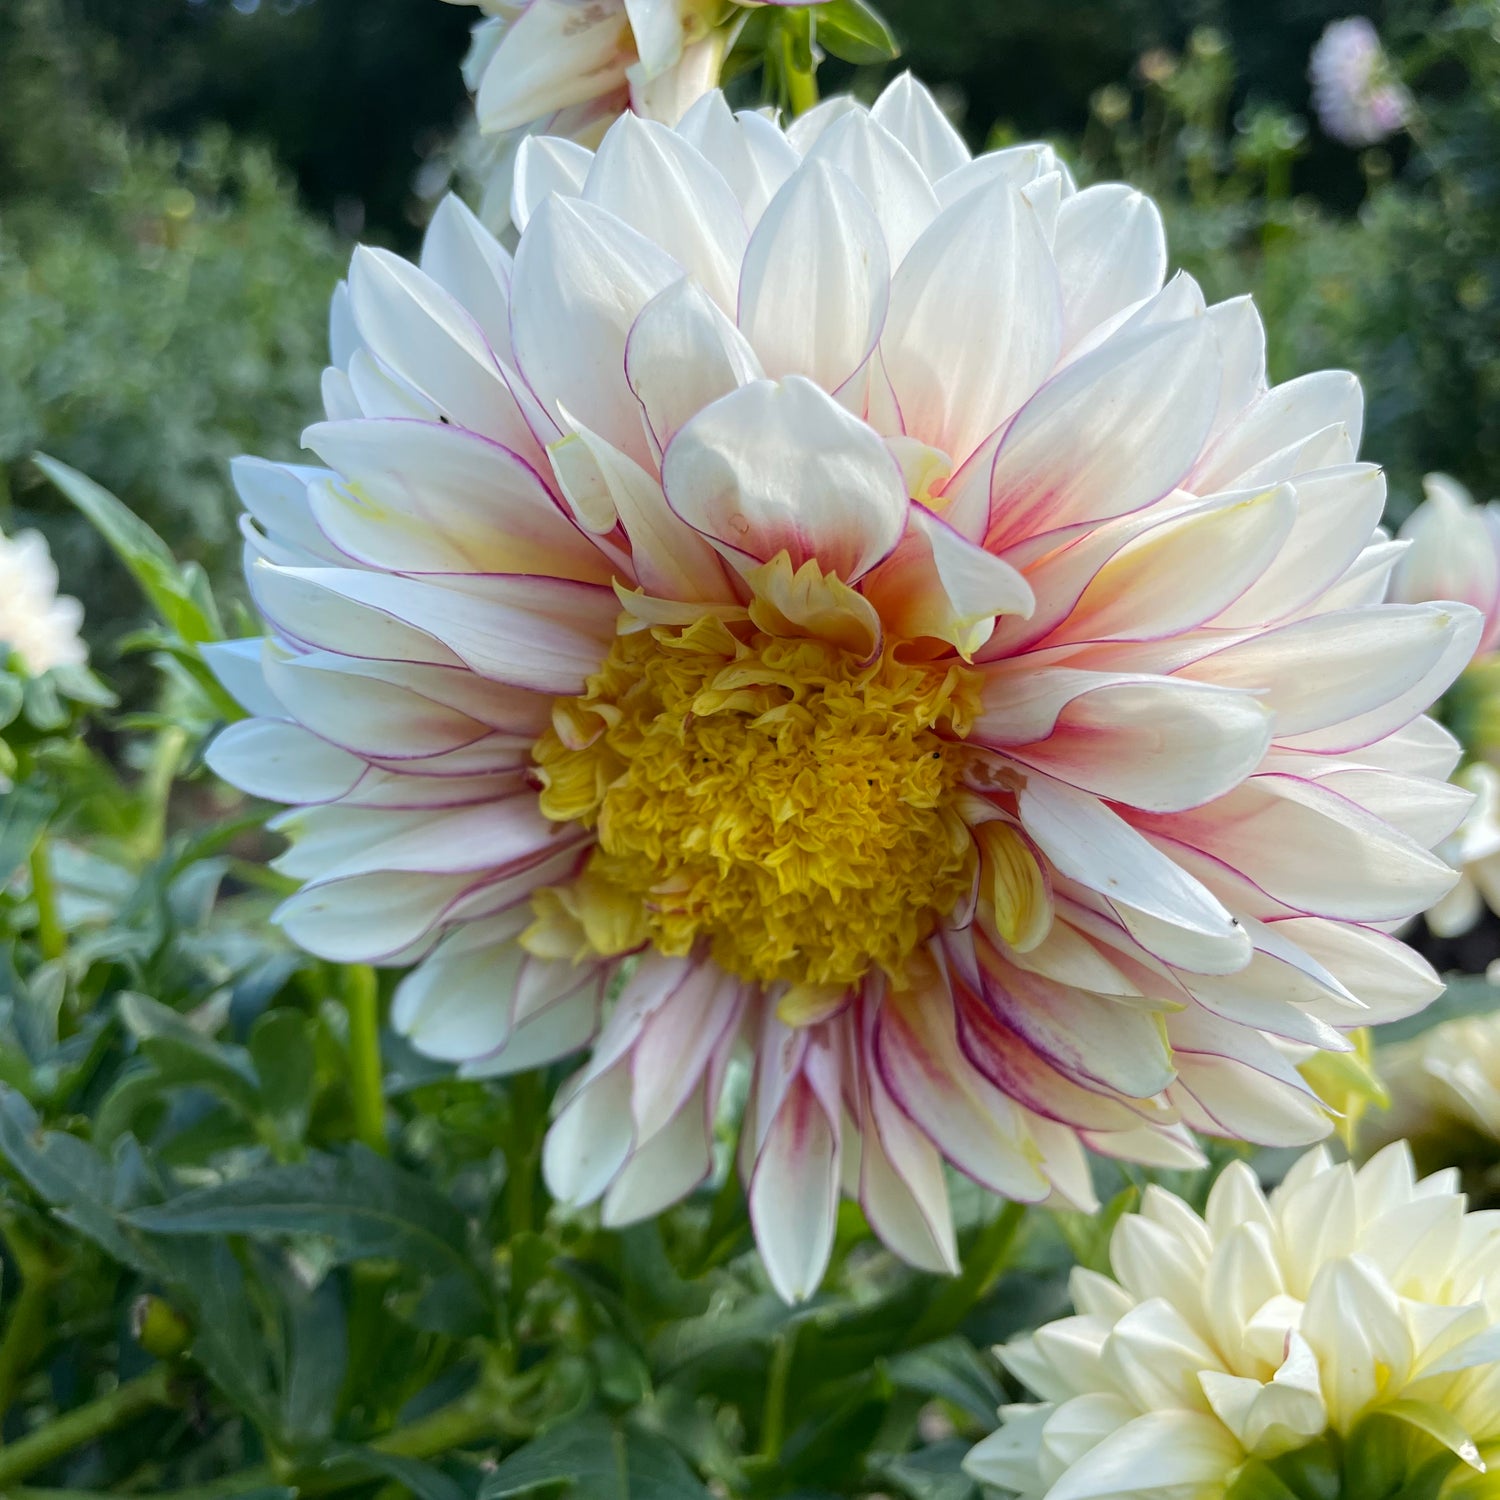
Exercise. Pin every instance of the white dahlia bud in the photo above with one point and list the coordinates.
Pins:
(829, 592)
(1336, 1339)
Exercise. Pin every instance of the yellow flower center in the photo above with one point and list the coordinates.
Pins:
(780, 799)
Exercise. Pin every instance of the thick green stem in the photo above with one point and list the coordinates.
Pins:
(49, 931)
(773, 1420)
(26, 1330)
(365, 1074)
(156, 789)
(83, 1424)
(455, 1426)
(985, 1265)
(801, 83)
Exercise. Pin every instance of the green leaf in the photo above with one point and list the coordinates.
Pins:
(934, 1473)
(177, 594)
(286, 1065)
(183, 1055)
(423, 1480)
(366, 1206)
(590, 1459)
(953, 1371)
(851, 30)
(24, 812)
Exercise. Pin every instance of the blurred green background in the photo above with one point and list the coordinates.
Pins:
(181, 180)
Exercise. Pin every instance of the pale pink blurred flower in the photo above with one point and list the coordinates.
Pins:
(1454, 553)
(36, 622)
(1357, 98)
(827, 594)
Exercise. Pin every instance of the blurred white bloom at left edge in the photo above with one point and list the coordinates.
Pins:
(36, 622)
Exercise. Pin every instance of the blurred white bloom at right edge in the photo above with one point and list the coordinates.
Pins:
(1355, 92)
(36, 622)
(1454, 553)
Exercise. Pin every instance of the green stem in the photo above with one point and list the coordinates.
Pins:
(986, 1263)
(49, 932)
(83, 1424)
(26, 1331)
(156, 789)
(361, 1000)
(773, 1421)
(801, 83)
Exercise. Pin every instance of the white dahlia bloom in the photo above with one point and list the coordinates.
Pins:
(1269, 1327)
(36, 622)
(1357, 98)
(1444, 1083)
(1454, 553)
(827, 594)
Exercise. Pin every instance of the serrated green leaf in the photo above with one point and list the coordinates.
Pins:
(854, 32)
(591, 1459)
(177, 595)
(367, 1207)
(183, 1056)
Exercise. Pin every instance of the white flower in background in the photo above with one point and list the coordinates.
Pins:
(829, 588)
(1250, 1333)
(1445, 1079)
(1357, 98)
(569, 68)
(1454, 553)
(1474, 851)
(36, 622)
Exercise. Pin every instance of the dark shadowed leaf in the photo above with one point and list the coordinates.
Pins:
(591, 1459)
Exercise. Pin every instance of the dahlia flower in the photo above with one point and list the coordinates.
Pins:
(1454, 553)
(828, 596)
(1444, 1083)
(1357, 98)
(568, 68)
(36, 622)
(1345, 1326)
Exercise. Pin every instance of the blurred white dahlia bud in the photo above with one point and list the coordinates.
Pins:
(827, 594)
(569, 68)
(36, 622)
(1454, 553)
(1357, 98)
(1338, 1338)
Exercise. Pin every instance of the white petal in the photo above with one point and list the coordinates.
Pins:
(752, 153)
(815, 280)
(911, 114)
(546, 164)
(784, 466)
(466, 260)
(975, 320)
(581, 278)
(1111, 251)
(655, 181)
(1112, 432)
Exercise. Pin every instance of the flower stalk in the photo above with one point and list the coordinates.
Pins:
(361, 1001)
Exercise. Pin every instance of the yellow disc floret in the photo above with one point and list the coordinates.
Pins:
(777, 798)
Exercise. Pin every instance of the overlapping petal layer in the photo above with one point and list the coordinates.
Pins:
(1245, 1335)
(771, 463)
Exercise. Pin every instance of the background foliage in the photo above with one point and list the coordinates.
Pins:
(249, 1244)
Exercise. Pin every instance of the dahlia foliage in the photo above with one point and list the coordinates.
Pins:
(826, 600)
(1454, 553)
(1340, 1331)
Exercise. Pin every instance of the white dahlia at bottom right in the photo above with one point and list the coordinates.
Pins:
(829, 601)
(1339, 1339)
